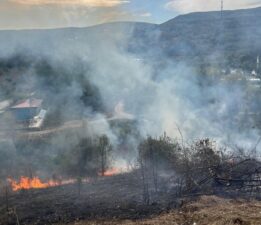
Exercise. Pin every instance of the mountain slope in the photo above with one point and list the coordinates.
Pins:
(234, 34)
(207, 37)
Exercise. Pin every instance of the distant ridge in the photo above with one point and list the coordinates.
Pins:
(200, 38)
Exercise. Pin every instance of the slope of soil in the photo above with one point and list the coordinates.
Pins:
(119, 200)
(110, 197)
(207, 210)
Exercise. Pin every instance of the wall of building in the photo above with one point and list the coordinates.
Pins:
(25, 114)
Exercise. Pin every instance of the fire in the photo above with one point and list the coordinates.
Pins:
(114, 171)
(26, 183)
(111, 172)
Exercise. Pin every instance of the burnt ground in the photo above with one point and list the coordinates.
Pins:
(106, 198)
(205, 210)
(119, 200)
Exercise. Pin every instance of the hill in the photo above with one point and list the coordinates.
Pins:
(205, 37)
(206, 210)
(117, 200)
(196, 36)
(208, 35)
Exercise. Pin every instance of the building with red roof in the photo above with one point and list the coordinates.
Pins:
(26, 109)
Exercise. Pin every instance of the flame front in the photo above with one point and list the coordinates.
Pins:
(26, 183)
(115, 171)
(111, 172)
(29, 183)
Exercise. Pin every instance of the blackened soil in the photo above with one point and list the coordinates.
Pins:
(114, 197)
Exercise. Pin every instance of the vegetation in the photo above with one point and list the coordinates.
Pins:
(168, 173)
(199, 167)
(164, 171)
(53, 82)
(207, 210)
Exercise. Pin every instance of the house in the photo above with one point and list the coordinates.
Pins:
(29, 112)
(26, 110)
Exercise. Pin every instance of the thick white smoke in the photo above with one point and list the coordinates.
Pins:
(170, 99)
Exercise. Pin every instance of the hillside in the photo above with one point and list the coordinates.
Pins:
(197, 37)
(63, 205)
(207, 210)
(234, 35)
(79, 67)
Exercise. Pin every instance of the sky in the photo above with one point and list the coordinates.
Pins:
(31, 14)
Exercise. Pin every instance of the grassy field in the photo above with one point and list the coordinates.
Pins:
(118, 200)
(209, 210)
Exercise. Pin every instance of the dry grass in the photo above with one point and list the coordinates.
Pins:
(206, 211)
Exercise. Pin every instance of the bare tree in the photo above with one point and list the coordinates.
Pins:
(157, 155)
(144, 175)
(104, 148)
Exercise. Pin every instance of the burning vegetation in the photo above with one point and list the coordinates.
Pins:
(167, 174)
(70, 152)
(26, 183)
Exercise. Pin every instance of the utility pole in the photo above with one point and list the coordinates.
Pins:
(222, 8)
(257, 64)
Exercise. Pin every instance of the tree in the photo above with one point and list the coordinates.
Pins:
(155, 156)
(104, 148)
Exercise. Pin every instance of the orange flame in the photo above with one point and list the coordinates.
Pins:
(26, 183)
(113, 171)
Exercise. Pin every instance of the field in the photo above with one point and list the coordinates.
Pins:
(110, 197)
(118, 200)
(206, 210)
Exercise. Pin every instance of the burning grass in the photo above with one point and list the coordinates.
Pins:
(151, 194)
(107, 197)
(118, 200)
(26, 183)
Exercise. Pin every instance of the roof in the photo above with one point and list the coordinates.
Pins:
(28, 103)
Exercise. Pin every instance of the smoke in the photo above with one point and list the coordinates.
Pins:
(82, 74)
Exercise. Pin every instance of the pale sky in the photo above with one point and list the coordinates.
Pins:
(24, 14)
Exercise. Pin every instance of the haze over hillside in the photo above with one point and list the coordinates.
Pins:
(129, 120)
(149, 67)
(197, 37)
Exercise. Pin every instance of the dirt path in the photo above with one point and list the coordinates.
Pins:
(76, 124)
(69, 125)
